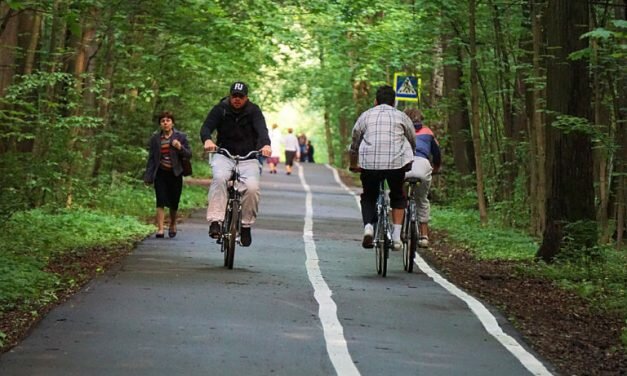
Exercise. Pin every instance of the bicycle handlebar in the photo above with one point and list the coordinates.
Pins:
(226, 153)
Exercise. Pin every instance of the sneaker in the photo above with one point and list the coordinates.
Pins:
(423, 242)
(215, 230)
(245, 237)
(398, 244)
(368, 236)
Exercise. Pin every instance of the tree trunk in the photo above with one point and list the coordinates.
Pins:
(537, 130)
(437, 75)
(620, 111)
(79, 66)
(474, 100)
(8, 46)
(108, 64)
(328, 134)
(345, 128)
(33, 41)
(458, 120)
(570, 201)
(601, 157)
(510, 136)
(328, 137)
(57, 35)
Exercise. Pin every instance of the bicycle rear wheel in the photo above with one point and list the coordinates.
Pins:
(405, 237)
(382, 248)
(412, 247)
(377, 247)
(229, 255)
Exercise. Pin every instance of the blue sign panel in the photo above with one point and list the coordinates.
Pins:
(406, 87)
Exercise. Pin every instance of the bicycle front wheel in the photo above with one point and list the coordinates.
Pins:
(225, 239)
(229, 255)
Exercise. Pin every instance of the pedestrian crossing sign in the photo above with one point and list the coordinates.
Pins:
(406, 87)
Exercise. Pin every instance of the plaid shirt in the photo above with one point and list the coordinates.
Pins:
(384, 137)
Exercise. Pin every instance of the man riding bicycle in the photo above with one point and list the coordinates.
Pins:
(241, 128)
(382, 147)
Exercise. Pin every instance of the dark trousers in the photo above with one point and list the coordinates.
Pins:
(168, 188)
(370, 180)
(289, 157)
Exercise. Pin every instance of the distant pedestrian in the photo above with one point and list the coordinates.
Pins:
(292, 150)
(165, 171)
(275, 140)
(310, 152)
(302, 146)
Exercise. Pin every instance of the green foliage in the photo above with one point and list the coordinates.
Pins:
(569, 124)
(59, 230)
(194, 196)
(602, 280)
(22, 279)
(459, 191)
(490, 242)
(579, 242)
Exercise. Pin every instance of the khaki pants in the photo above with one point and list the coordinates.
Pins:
(249, 186)
(421, 168)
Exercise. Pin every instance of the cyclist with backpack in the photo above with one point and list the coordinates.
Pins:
(241, 128)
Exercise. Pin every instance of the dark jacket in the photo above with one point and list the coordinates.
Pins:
(154, 154)
(427, 145)
(239, 132)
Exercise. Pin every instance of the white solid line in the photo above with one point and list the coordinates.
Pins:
(487, 319)
(341, 183)
(337, 348)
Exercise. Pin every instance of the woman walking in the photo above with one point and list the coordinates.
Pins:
(165, 171)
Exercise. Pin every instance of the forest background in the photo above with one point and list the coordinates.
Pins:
(526, 97)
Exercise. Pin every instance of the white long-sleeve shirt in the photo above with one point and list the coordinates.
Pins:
(290, 142)
(276, 139)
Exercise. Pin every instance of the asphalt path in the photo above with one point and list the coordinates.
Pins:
(303, 299)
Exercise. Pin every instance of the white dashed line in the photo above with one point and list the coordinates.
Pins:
(337, 347)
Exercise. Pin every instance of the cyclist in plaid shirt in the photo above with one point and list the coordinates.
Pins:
(383, 143)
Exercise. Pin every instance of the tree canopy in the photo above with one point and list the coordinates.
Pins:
(82, 80)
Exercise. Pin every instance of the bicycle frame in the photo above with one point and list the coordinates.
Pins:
(232, 224)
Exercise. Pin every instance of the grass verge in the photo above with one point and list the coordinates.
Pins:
(602, 281)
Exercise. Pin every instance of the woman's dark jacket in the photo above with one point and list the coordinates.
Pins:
(240, 132)
(154, 154)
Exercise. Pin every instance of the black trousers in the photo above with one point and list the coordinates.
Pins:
(168, 189)
(289, 157)
(370, 180)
